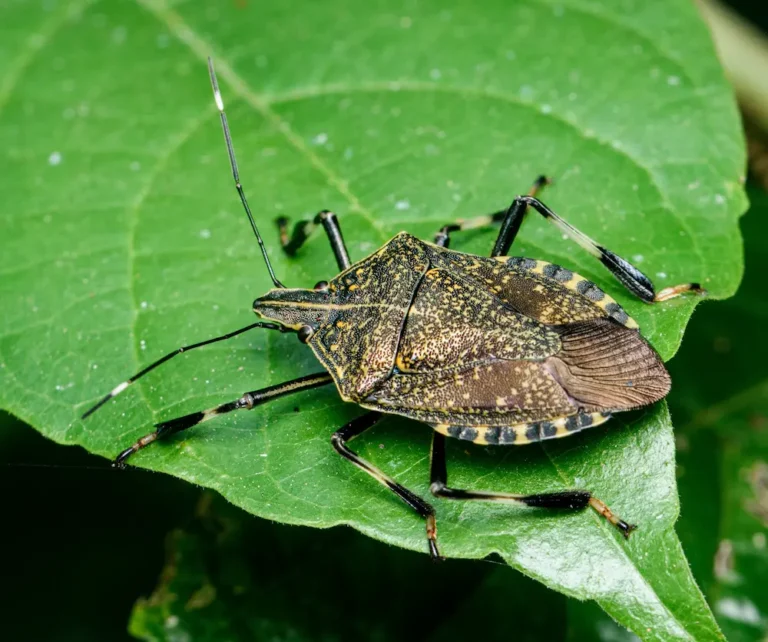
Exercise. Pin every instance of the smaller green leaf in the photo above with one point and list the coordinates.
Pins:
(231, 577)
(724, 428)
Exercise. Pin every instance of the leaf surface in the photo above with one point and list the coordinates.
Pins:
(124, 239)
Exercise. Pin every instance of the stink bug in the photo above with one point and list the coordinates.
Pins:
(492, 350)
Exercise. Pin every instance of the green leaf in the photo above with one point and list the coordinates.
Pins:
(124, 239)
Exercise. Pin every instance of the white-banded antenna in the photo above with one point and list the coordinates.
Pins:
(235, 173)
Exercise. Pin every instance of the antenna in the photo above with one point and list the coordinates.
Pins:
(235, 173)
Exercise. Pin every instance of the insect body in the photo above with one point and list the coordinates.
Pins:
(494, 350)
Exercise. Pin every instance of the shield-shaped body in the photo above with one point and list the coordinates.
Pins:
(493, 350)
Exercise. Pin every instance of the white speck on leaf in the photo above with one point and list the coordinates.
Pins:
(403, 204)
(119, 34)
(638, 258)
(320, 139)
(673, 80)
(719, 199)
(143, 305)
(205, 234)
(546, 109)
(55, 158)
(661, 275)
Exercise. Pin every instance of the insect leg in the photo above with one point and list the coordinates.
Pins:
(122, 386)
(561, 500)
(246, 402)
(629, 276)
(442, 238)
(303, 229)
(425, 510)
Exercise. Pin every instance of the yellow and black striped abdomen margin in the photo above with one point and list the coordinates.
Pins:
(524, 433)
(576, 283)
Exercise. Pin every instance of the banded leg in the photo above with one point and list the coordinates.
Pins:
(122, 386)
(442, 238)
(422, 508)
(246, 402)
(303, 229)
(627, 274)
(561, 500)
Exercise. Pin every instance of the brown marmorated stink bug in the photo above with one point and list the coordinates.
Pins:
(492, 350)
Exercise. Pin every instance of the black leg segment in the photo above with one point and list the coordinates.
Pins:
(561, 500)
(122, 386)
(512, 218)
(423, 509)
(246, 402)
(443, 237)
(303, 229)
(629, 276)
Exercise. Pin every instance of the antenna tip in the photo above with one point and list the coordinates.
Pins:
(215, 85)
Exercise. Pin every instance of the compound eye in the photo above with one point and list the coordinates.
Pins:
(305, 333)
(321, 285)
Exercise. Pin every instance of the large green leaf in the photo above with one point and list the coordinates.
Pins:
(123, 239)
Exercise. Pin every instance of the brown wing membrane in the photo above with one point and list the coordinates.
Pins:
(603, 365)
(497, 393)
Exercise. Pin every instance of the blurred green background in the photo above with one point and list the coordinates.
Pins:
(289, 583)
